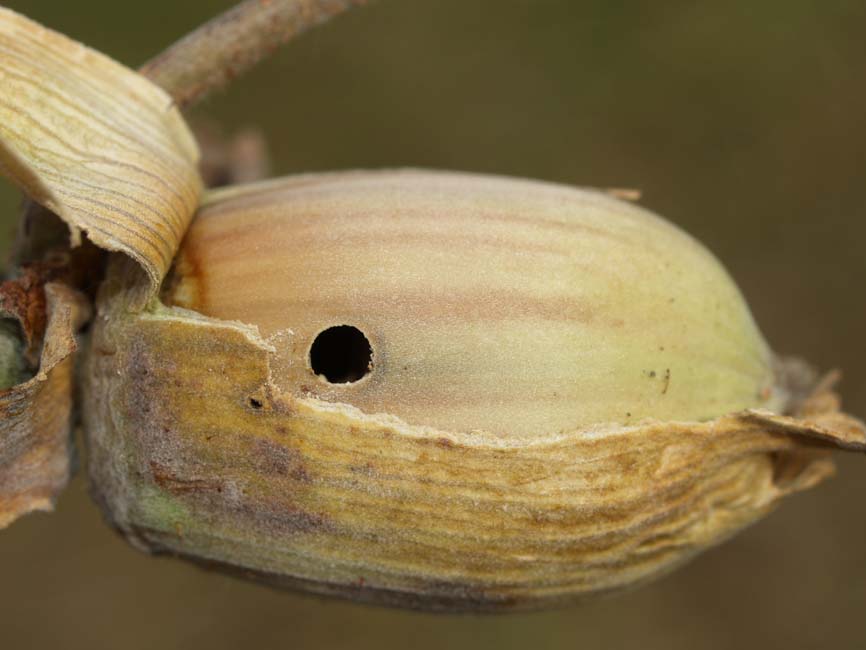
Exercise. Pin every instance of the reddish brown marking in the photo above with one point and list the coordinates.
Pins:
(163, 477)
(24, 300)
(187, 270)
(487, 305)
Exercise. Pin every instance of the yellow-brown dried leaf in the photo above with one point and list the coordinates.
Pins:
(96, 143)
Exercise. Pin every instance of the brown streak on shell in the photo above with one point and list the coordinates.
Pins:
(489, 303)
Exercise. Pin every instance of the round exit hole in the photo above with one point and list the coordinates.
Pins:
(341, 354)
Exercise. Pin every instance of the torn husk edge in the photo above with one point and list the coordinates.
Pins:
(297, 492)
(106, 150)
(36, 415)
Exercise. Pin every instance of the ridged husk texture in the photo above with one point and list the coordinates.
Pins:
(105, 150)
(214, 440)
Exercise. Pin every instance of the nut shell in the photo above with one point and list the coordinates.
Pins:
(202, 445)
(495, 304)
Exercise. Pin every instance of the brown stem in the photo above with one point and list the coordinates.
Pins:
(228, 45)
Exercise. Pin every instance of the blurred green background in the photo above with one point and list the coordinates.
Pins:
(743, 122)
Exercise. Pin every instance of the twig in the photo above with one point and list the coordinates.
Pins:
(228, 45)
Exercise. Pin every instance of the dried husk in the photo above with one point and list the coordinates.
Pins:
(104, 149)
(36, 415)
(97, 144)
(207, 442)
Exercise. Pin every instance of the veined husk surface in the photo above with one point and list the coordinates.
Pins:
(105, 150)
(208, 441)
